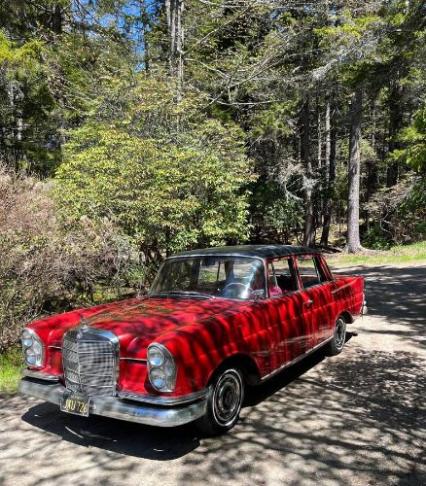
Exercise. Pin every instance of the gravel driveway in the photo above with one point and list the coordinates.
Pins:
(355, 419)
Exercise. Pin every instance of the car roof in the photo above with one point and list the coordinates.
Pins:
(262, 251)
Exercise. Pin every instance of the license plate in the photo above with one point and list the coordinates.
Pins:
(75, 403)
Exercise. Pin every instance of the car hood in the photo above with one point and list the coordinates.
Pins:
(138, 322)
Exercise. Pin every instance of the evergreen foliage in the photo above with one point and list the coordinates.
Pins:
(180, 124)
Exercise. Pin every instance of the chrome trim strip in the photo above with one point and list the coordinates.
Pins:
(88, 386)
(215, 254)
(296, 360)
(41, 376)
(90, 352)
(163, 401)
(139, 360)
(115, 408)
(51, 346)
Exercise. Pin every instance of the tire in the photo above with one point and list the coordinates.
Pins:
(339, 338)
(224, 403)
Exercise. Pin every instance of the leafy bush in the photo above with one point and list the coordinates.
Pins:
(165, 197)
(276, 214)
(47, 265)
(399, 212)
(376, 239)
(414, 138)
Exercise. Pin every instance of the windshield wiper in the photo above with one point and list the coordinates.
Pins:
(190, 293)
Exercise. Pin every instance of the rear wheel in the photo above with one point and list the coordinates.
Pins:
(339, 337)
(224, 403)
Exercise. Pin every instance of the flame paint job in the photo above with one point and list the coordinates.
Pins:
(202, 333)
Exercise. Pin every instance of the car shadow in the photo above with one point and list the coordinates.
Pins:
(154, 443)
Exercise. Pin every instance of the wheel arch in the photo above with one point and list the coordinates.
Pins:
(245, 363)
(347, 317)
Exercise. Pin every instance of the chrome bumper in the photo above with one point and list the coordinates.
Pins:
(364, 309)
(120, 409)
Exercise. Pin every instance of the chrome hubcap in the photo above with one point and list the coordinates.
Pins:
(227, 398)
(340, 334)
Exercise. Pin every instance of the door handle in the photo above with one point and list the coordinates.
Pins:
(308, 303)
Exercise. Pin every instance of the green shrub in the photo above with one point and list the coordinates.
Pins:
(47, 265)
(165, 197)
(376, 239)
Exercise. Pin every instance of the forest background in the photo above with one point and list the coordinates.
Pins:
(132, 129)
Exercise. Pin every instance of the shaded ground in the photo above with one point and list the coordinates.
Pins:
(355, 419)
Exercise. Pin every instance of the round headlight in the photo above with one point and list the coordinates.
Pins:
(158, 379)
(30, 356)
(26, 339)
(161, 368)
(37, 348)
(32, 347)
(169, 368)
(155, 356)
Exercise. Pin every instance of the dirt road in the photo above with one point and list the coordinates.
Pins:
(355, 419)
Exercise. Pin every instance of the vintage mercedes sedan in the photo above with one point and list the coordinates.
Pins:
(214, 321)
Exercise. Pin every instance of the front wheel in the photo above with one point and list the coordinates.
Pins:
(339, 338)
(224, 403)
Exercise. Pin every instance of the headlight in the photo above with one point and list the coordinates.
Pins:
(26, 339)
(155, 356)
(161, 368)
(32, 347)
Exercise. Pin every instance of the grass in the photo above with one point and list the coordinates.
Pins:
(10, 370)
(398, 255)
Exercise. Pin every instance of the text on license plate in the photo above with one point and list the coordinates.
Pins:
(76, 404)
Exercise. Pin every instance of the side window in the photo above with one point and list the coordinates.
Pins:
(310, 271)
(281, 277)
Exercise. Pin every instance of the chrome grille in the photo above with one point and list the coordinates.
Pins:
(89, 358)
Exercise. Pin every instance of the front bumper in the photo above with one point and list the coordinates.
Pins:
(114, 407)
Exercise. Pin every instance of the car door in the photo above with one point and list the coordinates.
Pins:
(317, 287)
(287, 306)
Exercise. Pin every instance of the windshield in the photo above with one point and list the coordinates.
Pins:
(211, 276)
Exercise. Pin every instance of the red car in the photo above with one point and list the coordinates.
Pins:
(214, 321)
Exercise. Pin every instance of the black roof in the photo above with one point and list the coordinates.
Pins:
(263, 251)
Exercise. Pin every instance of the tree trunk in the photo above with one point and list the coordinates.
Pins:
(372, 173)
(327, 140)
(354, 169)
(145, 25)
(319, 132)
(57, 17)
(330, 175)
(174, 12)
(319, 210)
(395, 125)
(308, 234)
